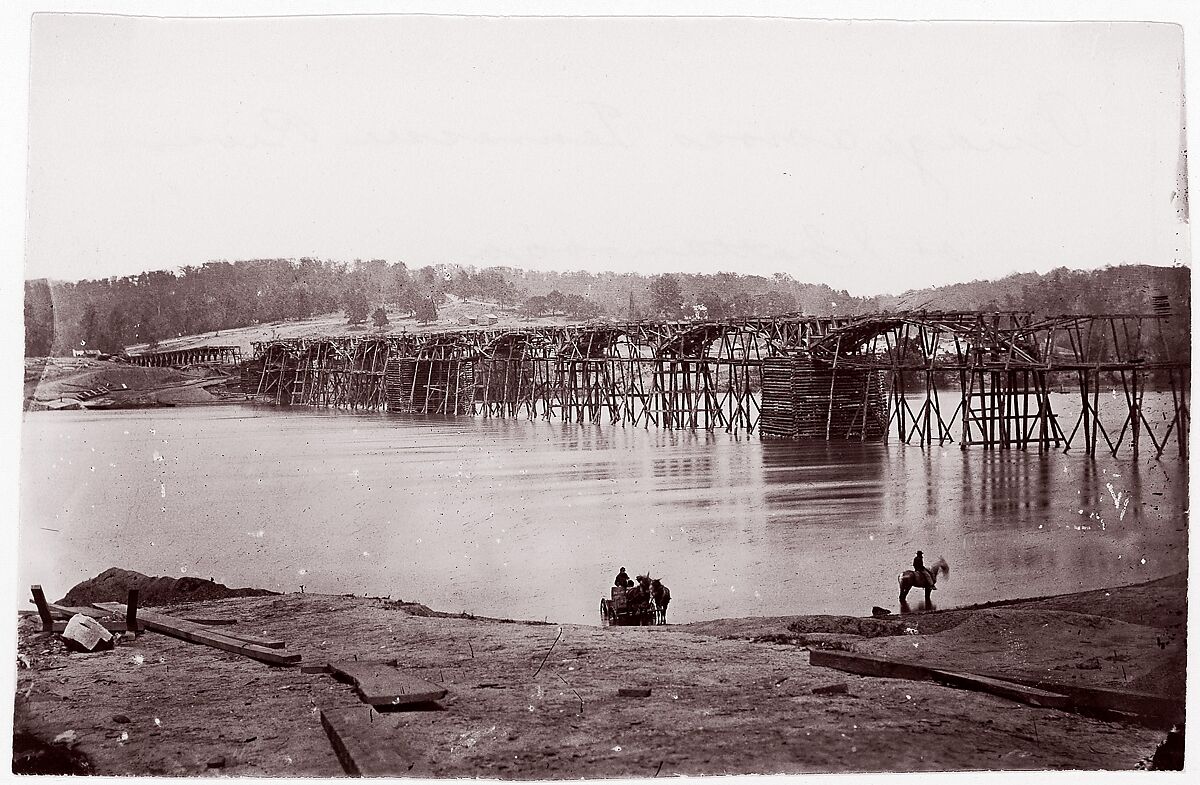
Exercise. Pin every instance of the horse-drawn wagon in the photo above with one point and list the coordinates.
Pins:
(632, 607)
(627, 608)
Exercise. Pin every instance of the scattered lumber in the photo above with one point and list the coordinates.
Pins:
(197, 633)
(380, 684)
(365, 748)
(49, 611)
(67, 611)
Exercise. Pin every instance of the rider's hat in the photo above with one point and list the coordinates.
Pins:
(919, 553)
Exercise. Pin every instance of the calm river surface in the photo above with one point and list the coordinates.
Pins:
(524, 519)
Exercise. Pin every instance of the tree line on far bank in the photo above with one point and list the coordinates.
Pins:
(112, 313)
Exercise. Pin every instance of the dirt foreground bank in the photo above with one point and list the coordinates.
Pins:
(536, 701)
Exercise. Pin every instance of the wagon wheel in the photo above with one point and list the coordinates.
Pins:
(605, 613)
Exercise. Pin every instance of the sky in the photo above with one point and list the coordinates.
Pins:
(872, 156)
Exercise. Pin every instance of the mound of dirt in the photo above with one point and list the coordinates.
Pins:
(848, 625)
(113, 585)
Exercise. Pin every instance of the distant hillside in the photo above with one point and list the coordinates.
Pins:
(237, 302)
(1123, 289)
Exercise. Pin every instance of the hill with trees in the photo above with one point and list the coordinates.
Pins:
(111, 313)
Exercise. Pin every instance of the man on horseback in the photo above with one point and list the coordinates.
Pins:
(919, 568)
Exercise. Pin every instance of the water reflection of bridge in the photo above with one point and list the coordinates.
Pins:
(978, 378)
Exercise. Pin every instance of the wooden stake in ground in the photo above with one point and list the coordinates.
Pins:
(131, 611)
(43, 607)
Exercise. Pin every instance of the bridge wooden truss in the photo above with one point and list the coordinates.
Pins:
(175, 358)
(976, 378)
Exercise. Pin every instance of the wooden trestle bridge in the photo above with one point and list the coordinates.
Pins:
(992, 379)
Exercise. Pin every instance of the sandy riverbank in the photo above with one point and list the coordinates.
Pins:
(69, 383)
(728, 696)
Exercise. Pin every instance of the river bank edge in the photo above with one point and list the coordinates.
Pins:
(718, 683)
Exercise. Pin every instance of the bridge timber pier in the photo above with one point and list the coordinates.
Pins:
(989, 379)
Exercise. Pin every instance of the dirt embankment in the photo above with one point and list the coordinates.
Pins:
(536, 701)
(113, 585)
(61, 383)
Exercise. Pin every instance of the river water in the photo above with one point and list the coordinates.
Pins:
(522, 519)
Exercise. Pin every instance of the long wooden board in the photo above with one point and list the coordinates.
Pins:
(383, 685)
(257, 640)
(1035, 691)
(1003, 689)
(869, 665)
(196, 633)
(1170, 710)
(210, 621)
(366, 748)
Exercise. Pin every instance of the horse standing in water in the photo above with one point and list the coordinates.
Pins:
(662, 597)
(910, 578)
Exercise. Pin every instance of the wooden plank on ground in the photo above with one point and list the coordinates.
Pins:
(380, 684)
(319, 667)
(366, 746)
(257, 640)
(197, 633)
(209, 621)
(869, 665)
(1004, 689)
(1079, 696)
(1147, 704)
(324, 666)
